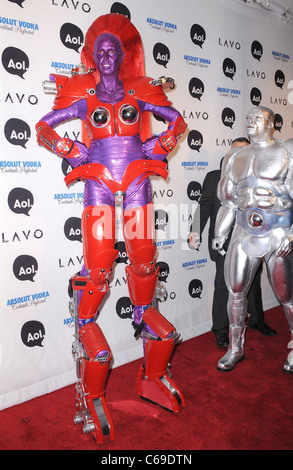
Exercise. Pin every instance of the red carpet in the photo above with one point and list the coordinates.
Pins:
(249, 408)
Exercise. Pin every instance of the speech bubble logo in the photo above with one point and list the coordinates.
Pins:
(33, 334)
(118, 7)
(25, 267)
(161, 219)
(255, 96)
(124, 308)
(229, 68)
(163, 271)
(279, 78)
(20, 201)
(194, 191)
(228, 117)
(15, 61)
(72, 229)
(278, 122)
(18, 2)
(161, 54)
(17, 132)
(65, 167)
(71, 36)
(195, 288)
(122, 255)
(196, 88)
(256, 50)
(197, 35)
(195, 140)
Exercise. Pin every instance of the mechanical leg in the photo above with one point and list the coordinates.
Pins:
(154, 382)
(90, 348)
(159, 335)
(239, 273)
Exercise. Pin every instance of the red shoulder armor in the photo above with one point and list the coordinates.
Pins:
(72, 89)
(144, 89)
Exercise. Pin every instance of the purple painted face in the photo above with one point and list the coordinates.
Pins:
(108, 54)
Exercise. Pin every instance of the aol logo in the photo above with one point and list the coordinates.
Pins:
(15, 61)
(33, 334)
(124, 308)
(71, 36)
(72, 229)
(25, 268)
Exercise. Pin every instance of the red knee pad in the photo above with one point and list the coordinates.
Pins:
(141, 289)
(158, 323)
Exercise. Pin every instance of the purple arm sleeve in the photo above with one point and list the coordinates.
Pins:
(76, 110)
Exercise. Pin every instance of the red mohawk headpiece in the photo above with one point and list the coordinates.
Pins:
(133, 62)
(123, 29)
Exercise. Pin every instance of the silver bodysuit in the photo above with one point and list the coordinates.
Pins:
(256, 192)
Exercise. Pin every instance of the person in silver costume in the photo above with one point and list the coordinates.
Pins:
(256, 192)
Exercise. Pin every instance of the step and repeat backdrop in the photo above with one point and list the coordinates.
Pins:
(225, 58)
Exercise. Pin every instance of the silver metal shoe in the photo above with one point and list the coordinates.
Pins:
(288, 364)
(235, 351)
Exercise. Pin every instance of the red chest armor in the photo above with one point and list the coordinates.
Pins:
(105, 120)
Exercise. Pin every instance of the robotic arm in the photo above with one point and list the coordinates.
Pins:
(63, 147)
(158, 147)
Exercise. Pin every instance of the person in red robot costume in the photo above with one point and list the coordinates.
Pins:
(114, 99)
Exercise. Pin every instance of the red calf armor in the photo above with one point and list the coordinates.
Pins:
(91, 296)
(153, 380)
(91, 406)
